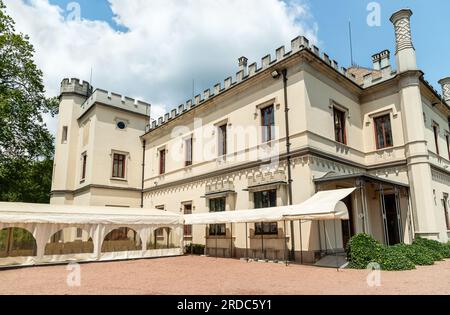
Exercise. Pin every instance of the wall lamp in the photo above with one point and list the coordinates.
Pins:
(276, 74)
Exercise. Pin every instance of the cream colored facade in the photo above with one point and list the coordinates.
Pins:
(408, 182)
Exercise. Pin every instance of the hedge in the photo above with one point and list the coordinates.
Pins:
(441, 250)
(195, 249)
(393, 258)
(419, 255)
(364, 249)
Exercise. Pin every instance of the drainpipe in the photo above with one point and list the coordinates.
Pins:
(143, 173)
(288, 153)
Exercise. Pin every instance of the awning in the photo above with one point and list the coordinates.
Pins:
(23, 213)
(325, 205)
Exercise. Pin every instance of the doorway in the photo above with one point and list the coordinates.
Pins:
(348, 225)
(391, 220)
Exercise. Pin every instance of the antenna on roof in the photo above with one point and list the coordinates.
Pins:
(90, 78)
(351, 42)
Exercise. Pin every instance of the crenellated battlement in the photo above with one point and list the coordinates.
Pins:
(116, 100)
(76, 86)
(246, 72)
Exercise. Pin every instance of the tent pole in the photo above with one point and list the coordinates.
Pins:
(9, 241)
(246, 240)
(262, 241)
(231, 241)
(168, 237)
(285, 244)
(326, 240)
(335, 243)
(301, 241)
(320, 236)
(215, 235)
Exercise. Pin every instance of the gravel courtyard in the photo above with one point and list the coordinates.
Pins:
(203, 275)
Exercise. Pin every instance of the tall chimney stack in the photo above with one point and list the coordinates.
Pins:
(445, 83)
(381, 60)
(404, 52)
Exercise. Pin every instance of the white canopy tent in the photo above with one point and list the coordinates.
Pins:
(44, 222)
(325, 205)
(24, 213)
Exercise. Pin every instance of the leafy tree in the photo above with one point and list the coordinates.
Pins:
(26, 146)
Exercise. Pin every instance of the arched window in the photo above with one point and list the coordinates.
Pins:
(17, 242)
(70, 241)
(122, 240)
(162, 238)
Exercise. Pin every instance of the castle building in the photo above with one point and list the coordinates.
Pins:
(272, 135)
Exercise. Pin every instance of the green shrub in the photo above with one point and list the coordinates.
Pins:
(196, 249)
(393, 258)
(362, 249)
(419, 255)
(440, 250)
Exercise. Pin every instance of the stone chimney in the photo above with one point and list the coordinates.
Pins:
(404, 52)
(445, 83)
(381, 60)
(243, 64)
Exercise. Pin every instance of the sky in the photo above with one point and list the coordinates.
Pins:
(164, 51)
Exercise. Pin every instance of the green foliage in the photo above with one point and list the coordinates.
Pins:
(196, 249)
(362, 249)
(22, 180)
(26, 146)
(419, 255)
(440, 250)
(393, 258)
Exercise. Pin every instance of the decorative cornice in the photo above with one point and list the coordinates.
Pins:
(88, 187)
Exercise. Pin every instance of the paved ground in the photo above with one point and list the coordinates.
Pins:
(201, 275)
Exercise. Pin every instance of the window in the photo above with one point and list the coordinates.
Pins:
(436, 137)
(79, 233)
(383, 132)
(266, 199)
(162, 161)
(447, 138)
(83, 169)
(188, 144)
(187, 228)
(118, 165)
(222, 140)
(160, 232)
(268, 123)
(64, 134)
(121, 125)
(217, 205)
(339, 126)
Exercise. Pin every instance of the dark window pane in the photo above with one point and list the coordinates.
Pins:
(187, 228)
(339, 126)
(268, 122)
(162, 161)
(188, 143)
(119, 166)
(223, 140)
(266, 199)
(383, 132)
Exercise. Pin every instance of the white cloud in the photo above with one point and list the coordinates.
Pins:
(168, 44)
